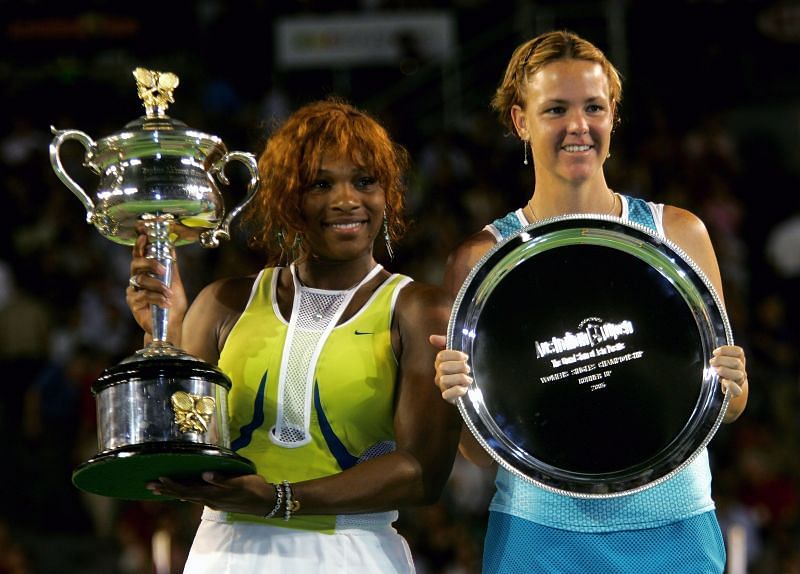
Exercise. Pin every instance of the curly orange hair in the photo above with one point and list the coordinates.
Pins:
(292, 158)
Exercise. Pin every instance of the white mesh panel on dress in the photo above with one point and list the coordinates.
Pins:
(316, 311)
(318, 308)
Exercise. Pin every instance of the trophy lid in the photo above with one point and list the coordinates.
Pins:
(156, 132)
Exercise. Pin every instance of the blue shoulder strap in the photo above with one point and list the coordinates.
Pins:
(639, 212)
(507, 225)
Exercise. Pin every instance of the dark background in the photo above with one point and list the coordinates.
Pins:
(710, 122)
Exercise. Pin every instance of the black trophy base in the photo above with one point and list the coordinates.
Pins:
(123, 473)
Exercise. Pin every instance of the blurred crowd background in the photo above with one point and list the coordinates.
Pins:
(710, 122)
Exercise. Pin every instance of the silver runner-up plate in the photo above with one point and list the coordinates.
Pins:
(589, 340)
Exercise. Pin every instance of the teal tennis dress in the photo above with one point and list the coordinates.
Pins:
(670, 528)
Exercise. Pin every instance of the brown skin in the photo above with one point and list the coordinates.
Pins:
(567, 118)
(426, 428)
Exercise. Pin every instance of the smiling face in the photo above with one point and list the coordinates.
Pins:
(342, 210)
(567, 118)
(284, 213)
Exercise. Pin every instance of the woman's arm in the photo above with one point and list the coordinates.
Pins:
(200, 330)
(426, 434)
(212, 315)
(452, 367)
(690, 234)
(426, 428)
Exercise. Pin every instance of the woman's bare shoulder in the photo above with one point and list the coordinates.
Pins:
(465, 257)
(229, 293)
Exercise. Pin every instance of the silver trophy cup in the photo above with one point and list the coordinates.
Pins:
(161, 411)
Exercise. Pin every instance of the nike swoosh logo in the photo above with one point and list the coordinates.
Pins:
(357, 332)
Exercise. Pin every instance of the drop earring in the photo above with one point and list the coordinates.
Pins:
(525, 152)
(298, 241)
(280, 239)
(386, 236)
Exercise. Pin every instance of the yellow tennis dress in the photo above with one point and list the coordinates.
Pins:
(310, 398)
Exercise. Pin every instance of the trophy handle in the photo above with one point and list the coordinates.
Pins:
(211, 237)
(55, 161)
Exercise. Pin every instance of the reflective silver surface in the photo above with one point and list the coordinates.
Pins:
(140, 411)
(589, 339)
(157, 177)
(156, 166)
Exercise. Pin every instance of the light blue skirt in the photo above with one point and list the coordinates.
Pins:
(690, 546)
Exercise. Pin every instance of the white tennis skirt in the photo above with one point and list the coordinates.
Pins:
(239, 547)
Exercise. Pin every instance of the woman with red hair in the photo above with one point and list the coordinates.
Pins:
(329, 359)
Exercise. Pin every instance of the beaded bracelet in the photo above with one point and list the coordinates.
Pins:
(287, 488)
(292, 504)
(278, 501)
